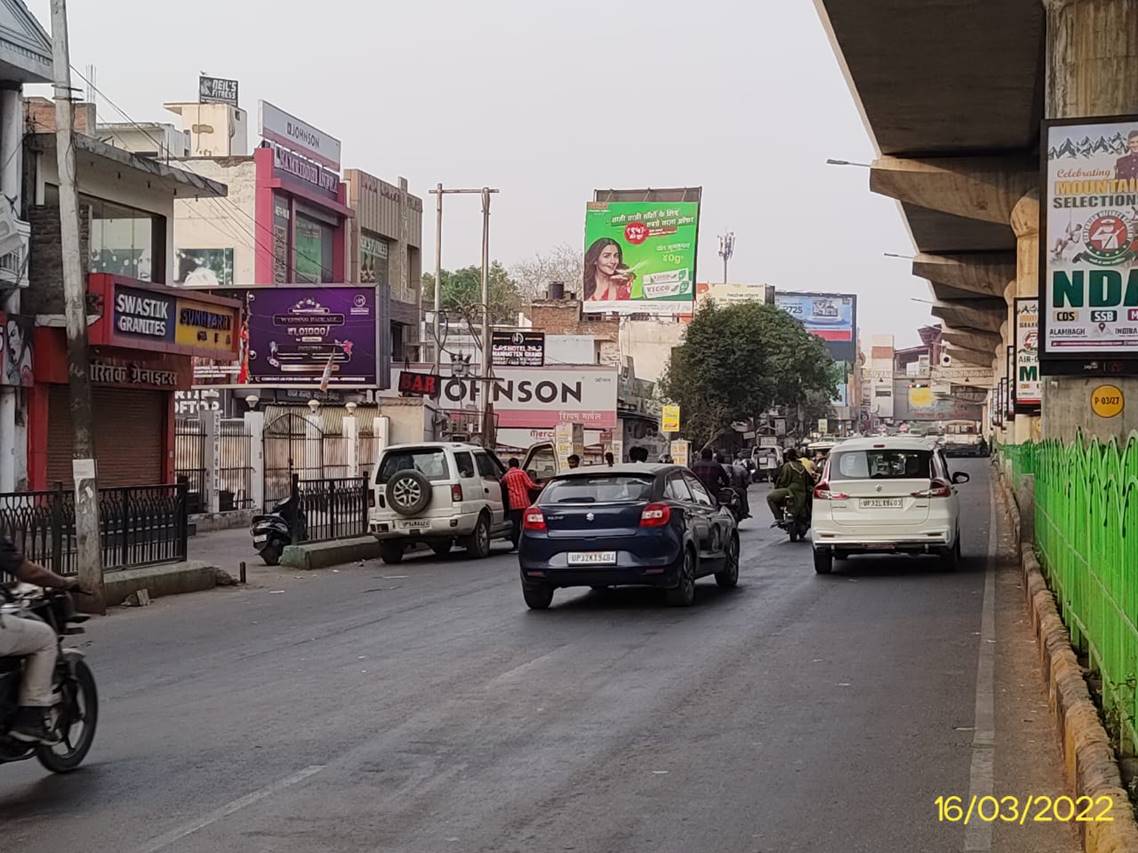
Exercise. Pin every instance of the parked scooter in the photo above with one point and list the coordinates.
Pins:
(272, 532)
(73, 717)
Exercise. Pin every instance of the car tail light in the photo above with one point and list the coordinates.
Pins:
(655, 515)
(822, 493)
(534, 519)
(456, 493)
(936, 489)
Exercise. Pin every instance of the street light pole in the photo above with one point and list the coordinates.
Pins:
(437, 345)
(88, 547)
(487, 361)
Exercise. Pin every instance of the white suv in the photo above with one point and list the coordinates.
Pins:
(886, 495)
(438, 493)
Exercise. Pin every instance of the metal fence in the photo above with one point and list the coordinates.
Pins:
(190, 459)
(1086, 531)
(235, 466)
(334, 508)
(139, 526)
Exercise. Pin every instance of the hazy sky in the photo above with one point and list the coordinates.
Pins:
(548, 101)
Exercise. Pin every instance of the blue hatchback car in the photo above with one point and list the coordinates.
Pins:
(629, 525)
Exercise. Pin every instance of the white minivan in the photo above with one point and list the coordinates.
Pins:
(886, 495)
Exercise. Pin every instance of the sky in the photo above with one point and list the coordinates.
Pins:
(547, 101)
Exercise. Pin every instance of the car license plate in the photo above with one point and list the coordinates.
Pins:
(414, 525)
(882, 503)
(593, 558)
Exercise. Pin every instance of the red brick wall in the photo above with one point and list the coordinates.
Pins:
(564, 317)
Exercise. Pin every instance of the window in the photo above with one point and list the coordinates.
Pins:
(312, 257)
(599, 489)
(281, 238)
(699, 493)
(489, 468)
(465, 464)
(373, 260)
(542, 465)
(124, 241)
(881, 465)
(428, 461)
(677, 489)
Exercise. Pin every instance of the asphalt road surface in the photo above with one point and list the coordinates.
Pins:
(422, 707)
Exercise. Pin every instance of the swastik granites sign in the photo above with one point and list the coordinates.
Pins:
(1089, 247)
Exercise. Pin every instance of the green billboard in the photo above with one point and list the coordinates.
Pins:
(640, 256)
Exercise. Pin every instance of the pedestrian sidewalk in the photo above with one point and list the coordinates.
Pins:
(225, 549)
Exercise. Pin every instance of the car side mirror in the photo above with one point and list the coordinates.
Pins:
(960, 478)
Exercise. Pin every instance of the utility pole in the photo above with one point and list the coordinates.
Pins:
(90, 557)
(726, 250)
(485, 192)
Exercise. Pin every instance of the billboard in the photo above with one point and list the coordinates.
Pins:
(830, 316)
(217, 90)
(292, 332)
(540, 398)
(517, 349)
(298, 135)
(733, 294)
(640, 256)
(1026, 391)
(1089, 246)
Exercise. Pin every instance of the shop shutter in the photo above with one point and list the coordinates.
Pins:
(129, 429)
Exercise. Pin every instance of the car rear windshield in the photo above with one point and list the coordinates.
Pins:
(431, 462)
(601, 489)
(881, 465)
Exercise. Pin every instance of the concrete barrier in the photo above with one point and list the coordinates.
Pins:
(320, 555)
(1088, 755)
(171, 579)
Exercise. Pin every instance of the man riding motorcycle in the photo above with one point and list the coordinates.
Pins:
(793, 482)
(33, 640)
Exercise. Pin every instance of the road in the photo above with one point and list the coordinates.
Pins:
(422, 707)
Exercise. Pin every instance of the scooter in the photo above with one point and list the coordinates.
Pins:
(75, 713)
(730, 499)
(796, 526)
(272, 532)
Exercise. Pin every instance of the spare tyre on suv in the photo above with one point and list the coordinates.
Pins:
(438, 494)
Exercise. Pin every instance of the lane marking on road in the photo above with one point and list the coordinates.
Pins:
(978, 834)
(214, 816)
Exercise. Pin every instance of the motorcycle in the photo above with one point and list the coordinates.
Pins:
(729, 498)
(796, 525)
(272, 532)
(73, 717)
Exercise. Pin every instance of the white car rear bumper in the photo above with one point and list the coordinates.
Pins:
(922, 540)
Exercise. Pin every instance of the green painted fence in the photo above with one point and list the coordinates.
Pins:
(1086, 531)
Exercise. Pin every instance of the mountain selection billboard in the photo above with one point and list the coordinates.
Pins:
(640, 256)
(1089, 291)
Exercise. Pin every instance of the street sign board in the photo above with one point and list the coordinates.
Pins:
(517, 349)
(217, 90)
(669, 418)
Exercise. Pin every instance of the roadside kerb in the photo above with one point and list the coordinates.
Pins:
(158, 581)
(321, 555)
(1088, 756)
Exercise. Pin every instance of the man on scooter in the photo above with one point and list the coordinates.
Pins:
(791, 482)
(32, 640)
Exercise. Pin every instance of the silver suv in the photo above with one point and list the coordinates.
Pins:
(438, 493)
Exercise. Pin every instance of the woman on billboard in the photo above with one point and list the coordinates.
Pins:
(607, 279)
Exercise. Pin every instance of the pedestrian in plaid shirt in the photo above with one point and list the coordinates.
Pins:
(519, 489)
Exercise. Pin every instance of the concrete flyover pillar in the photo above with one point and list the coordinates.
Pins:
(1091, 71)
(1025, 224)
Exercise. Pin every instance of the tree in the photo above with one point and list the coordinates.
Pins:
(562, 263)
(461, 294)
(738, 361)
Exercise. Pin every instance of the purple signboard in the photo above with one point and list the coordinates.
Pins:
(294, 331)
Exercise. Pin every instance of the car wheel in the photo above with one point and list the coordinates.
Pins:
(728, 576)
(391, 552)
(683, 593)
(442, 548)
(408, 492)
(823, 561)
(478, 542)
(950, 560)
(538, 596)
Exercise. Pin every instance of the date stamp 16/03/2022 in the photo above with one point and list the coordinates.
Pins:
(1030, 808)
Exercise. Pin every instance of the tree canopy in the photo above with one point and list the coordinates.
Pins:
(461, 294)
(738, 361)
